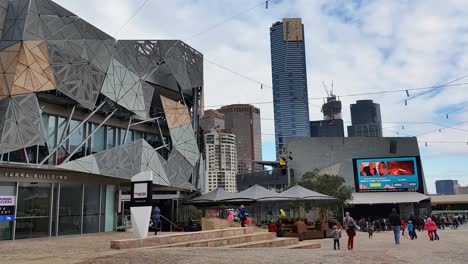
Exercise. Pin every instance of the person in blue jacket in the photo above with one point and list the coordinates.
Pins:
(411, 231)
(156, 218)
(242, 215)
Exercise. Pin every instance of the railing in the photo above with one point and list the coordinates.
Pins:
(173, 225)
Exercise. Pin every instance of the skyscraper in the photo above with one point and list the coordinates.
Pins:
(220, 160)
(365, 119)
(288, 65)
(446, 186)
(212, 119)
(243, 120)
(332, 124)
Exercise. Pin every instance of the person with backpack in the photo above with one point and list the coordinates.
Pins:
(242, 214)
(350, 227)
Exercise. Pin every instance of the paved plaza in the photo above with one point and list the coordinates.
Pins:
(452, 248)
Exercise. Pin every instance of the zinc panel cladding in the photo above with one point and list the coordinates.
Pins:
(290, 97)
(45, 47)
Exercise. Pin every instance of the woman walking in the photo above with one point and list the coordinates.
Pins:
(350, 227)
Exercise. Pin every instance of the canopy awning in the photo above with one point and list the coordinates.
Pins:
(258, 193)
(388, 198)
(214, 196)
(302, 193)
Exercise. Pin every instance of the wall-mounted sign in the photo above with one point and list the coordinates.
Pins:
(7, 200)
(7, 213)
(33, 176)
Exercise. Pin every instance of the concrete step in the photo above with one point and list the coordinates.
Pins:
(180, 237)
(304, 245)
(225, 241)
(277, 242)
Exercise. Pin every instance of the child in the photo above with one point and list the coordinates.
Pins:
(410, 228)
(370, 230)
(336, 233)
(403, 227)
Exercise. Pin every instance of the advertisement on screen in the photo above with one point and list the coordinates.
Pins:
(387, 174)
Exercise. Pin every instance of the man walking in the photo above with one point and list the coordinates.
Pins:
(156, 217)
(395, 222)
(242, 215)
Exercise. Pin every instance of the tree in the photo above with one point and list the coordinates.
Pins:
(332, 185)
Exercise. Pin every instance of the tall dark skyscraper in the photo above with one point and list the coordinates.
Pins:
(365, 119)
(288, 63)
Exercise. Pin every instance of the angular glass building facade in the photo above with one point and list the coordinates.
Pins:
(81, 113)
(288, 65)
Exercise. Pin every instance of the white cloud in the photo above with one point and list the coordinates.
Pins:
(363, 46)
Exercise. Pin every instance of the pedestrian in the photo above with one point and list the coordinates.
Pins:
(403, 227)
(455, 223)
(370, 230)
(350, 227)
(336, 233)
(411, 229)
(230, 217)
(156, 218)
(242, 215)
(442, 222)
(395, 222)
(430, 226)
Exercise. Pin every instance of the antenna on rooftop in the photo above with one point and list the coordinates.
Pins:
(326, 89)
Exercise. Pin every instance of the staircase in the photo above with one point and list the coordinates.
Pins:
(237, 237)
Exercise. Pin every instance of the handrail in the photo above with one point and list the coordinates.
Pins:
(172, 223)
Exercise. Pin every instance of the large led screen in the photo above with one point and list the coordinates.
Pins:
(387, 174)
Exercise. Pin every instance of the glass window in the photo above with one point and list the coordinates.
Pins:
(50, 128)
(76, 139)
(70, 209)
(122, 136)
(153, 140)
(98, 139)
(137, 135)
(91, 208)
(33, 209)
(62, 122)
(110, 137)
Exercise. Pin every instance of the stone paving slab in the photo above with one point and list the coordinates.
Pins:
(451, 249)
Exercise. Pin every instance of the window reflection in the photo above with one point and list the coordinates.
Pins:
(110, 137)
(32, 216)
(70, 209)
(98, 139)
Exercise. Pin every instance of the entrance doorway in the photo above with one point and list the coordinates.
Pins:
(33, 210)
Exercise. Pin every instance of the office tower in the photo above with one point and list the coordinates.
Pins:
(289, 78)
(212, 119)
(446, 186)
(243, 120)
(365, 119)
(332, 124)
(220, 160)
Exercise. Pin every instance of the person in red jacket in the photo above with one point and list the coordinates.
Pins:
(430, 226)
(403, 227)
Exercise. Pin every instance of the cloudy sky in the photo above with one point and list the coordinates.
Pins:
(362, 46)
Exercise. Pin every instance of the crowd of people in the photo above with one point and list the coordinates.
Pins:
(379, 224)
(401, 227)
